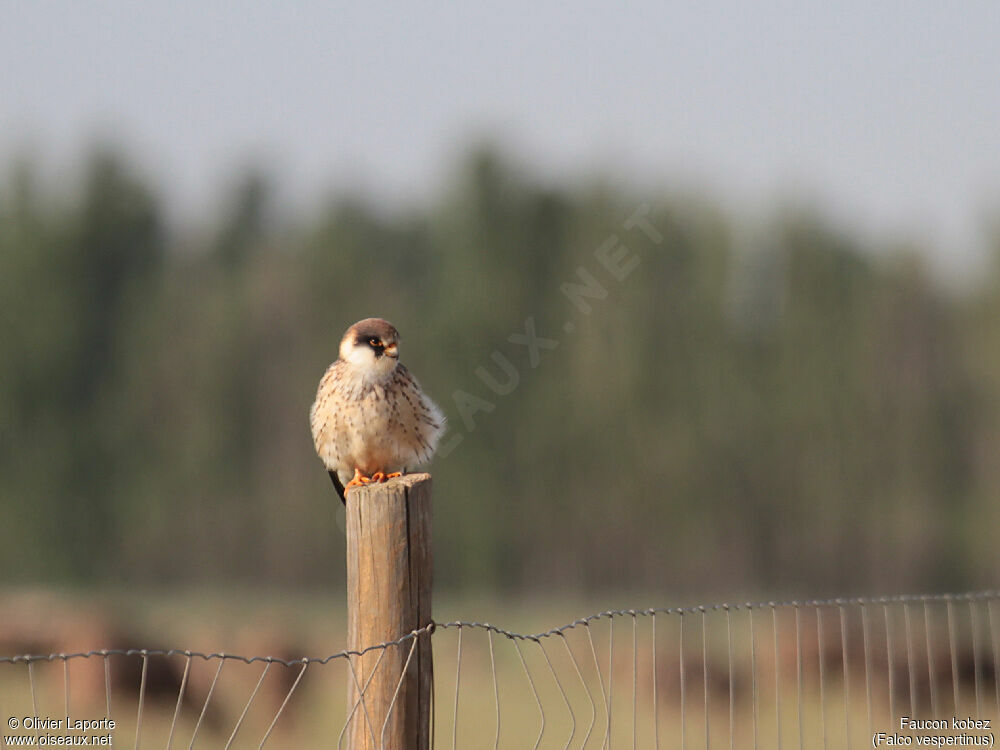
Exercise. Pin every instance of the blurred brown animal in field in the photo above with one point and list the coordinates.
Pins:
(39, 624)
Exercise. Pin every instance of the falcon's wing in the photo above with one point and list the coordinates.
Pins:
(422, 415)
(339, 486)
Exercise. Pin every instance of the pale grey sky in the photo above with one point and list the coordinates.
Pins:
(884, 114)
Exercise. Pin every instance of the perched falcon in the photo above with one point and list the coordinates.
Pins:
(370, 421)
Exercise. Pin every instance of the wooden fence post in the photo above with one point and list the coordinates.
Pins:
(389, 567)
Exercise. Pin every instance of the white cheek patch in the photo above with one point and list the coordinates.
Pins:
(368, 368)
(361, 356)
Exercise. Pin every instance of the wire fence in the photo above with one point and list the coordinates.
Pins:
(829, 673)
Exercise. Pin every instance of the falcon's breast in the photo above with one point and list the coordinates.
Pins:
(373, 425)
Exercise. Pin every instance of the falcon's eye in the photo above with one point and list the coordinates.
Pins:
(375, 343)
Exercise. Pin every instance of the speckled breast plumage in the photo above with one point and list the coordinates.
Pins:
(373, 425)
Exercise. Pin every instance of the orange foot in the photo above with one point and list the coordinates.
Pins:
(379, 476)
(359, 480)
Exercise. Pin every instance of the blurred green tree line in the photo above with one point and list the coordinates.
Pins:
(780, 408)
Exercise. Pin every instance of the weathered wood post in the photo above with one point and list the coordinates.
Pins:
(389, 566)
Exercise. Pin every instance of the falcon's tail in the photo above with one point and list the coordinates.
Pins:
(339, 486)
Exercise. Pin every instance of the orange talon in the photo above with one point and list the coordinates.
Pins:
(359, 480)
(394, 475)
(378, 476)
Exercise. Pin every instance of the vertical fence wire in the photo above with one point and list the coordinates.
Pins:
(931, 671)
(798, 667)
(204, 708)
(352, 659)
(910, 664)
(597, 666)
(777, 675)
(142, 699)
(395, 693)
(889, 663)
(284, 704)
(534, 692)
(496, 688)
(65, 663)
(753, 675)
(976, 663)
(704, 672)
(846, 673)
(180, 698)
(635, 679)
(656, 702)
(683, 678)
(246, 708)
(822, 674)
(562, 692)
(458, 676)
(953, 651)
(611, 682)
(732, 697)
(590, 697)
(107, 685)
(34, 696)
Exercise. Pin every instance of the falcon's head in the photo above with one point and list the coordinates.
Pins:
(371, 346)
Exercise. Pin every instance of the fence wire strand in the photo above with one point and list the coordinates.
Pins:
(777, 677)
(731, 656)
(931, 672)
(753, 677)
(142, 700)
(180, 698)
(534, 692)
(954, 653)
(846, 669)
(583, 682)
(246, 708)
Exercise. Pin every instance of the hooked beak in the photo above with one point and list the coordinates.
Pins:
(391, 351)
